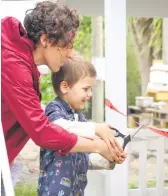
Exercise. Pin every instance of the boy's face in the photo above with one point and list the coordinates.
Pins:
(78, 94)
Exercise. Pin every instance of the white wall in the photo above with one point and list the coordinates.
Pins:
(15, 8)
(148, 8)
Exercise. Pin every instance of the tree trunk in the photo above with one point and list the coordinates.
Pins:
(144, 66)
(97, 51)
(144, 54)
(165, 40)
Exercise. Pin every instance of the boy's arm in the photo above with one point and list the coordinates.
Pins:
(97, 162)
(82, 129)
(57, 116)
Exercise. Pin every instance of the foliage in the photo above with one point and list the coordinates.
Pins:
(133, 77)
(150, 30)
(46, 89)
(83, 40)
(147, 38)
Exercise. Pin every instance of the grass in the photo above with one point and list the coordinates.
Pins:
(23, 189)
(150, 184)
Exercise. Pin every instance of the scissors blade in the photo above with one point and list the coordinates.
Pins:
(129, 137)
(139, 128)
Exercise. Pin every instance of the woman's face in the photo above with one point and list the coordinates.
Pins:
(53, 56)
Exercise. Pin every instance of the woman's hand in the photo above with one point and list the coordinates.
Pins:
(107, 134)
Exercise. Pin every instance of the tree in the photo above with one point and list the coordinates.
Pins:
(147, 39)
(133, 76)
(83, 41)
(165, 40)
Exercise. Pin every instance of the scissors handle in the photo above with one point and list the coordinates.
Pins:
(127, 139)
(118, 133)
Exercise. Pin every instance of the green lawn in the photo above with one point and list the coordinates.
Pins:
(25, 190)
(31, 190)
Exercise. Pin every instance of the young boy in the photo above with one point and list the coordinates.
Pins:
(67, 175)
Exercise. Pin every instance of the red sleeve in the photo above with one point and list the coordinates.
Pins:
(18, 91)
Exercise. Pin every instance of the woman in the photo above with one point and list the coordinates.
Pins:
(50, 29)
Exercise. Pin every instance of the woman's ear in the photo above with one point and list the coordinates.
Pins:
(64, 87)
(44, 40)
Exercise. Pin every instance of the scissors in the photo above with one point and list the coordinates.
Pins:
(126, 138)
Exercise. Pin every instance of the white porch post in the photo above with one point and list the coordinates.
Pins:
(115, 60)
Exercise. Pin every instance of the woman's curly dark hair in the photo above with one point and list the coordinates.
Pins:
(57, 21)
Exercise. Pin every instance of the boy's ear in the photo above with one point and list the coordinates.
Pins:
(64, 87)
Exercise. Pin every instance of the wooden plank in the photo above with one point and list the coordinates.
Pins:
(134, 107)
(163, 96)
(160, 123)
(96, 184)
(134, 192)
(160, 167)
(158, 96)
(143, 118)
(150, 192)
(143, 167)
(132, 122)
(158, 119)
(164, 111)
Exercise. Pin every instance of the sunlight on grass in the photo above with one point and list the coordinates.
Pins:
(150, 184)
(22, 189)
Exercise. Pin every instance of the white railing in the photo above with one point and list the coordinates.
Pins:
(145, 140)
(4, 167)
(152, 142)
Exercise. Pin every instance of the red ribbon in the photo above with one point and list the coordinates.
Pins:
(156, 130)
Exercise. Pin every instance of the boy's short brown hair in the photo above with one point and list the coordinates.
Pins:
(72, 71)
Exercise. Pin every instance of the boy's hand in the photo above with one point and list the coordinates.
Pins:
(119, 161)
(122, 158)
(105, 133)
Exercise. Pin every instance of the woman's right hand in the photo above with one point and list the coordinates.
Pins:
(105, 132)
(111, 155)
